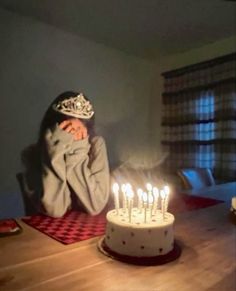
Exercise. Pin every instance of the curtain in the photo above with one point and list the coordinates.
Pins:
(199, 117)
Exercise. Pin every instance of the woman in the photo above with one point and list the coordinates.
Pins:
(73, 168)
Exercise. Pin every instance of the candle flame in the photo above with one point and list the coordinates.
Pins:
(167, 190)
(163, 194)
(144, 196)
(123, 188)
(115, 188)
(150, 199)
(128, 186)
(140, 193)
(129, 193)
(149, 186)
(155, 192)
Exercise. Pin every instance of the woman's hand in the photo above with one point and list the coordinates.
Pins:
(75, 127)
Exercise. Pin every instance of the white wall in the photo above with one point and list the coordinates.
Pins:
(38, 62)
(175, 61)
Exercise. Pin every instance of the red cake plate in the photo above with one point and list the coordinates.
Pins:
(145, 261)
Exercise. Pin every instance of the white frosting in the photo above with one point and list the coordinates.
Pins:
(138, 238)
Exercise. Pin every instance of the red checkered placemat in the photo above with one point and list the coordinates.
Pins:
(73, 227)
(77, 226)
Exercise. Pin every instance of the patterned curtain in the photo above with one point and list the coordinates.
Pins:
(199, 117)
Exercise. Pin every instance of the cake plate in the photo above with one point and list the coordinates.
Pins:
(145, 261)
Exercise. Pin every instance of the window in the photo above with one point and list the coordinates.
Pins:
(199, 117)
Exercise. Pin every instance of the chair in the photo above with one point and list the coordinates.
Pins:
(29, 207)
(196, 178)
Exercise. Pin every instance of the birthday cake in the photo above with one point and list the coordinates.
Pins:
(143, 234)
(138, 238)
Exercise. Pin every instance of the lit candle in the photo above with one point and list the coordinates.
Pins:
(167, 189)
(145, 197)
(123, 189)
(130, 195)
(167, 192)
(128, 186)
(156, 197)
(150, 200)
(140, 193)
(115, 189)
(149, 189)
(163, 194)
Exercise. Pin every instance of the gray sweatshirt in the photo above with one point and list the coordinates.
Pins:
(69, 166)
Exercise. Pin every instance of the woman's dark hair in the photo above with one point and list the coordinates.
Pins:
(52, 117)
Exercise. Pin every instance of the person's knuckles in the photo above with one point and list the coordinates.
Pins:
(62, 125)
(68, 128)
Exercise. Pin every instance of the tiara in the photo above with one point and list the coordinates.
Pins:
(76, 106)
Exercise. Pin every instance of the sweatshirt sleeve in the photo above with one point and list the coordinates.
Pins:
(56, 195)
(88, 173)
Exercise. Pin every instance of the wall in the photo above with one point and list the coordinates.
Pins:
(175, 61)
(38, 62)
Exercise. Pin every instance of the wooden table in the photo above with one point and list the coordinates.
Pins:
(33, 261)
(220, 191)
